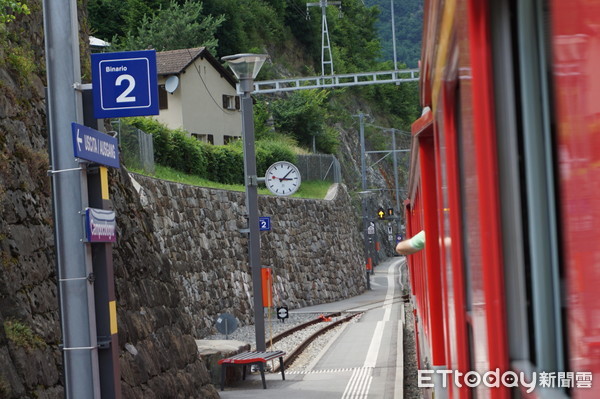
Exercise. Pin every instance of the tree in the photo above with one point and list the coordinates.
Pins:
(250, 24)
(408, 17)
(107, 18)
(355, 41)
(176, 27)
(302, 115)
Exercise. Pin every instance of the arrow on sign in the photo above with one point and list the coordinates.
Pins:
(79, 140)
(97, 147)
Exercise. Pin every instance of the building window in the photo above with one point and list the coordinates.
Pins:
(163, 98)
(227, 139)
(205, 138)
(231, 102)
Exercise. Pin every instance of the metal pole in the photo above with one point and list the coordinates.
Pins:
(251, 182)
(395, 160)
(69, 194)
(324, 32)
(393, 35)
(363, 172)
(363, 161)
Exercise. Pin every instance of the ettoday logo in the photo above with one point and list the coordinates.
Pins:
(495, 379)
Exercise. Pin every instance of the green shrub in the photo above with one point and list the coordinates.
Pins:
(329, 140)
(226, 164)
(161, 135)
(302, 114)
(22, 335)
(268, 152)
(9, 8)
(187, 154)
(222, 164)
(22, 61)
(261, 113)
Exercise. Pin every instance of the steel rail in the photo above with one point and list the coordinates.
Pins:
(296, 352)
(289, 359)
(299, 327)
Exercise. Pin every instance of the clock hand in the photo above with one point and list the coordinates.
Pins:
(286, 175)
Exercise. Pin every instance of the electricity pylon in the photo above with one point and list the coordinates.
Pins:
(326, 58)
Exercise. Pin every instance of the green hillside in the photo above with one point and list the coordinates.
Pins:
(291, 35)
(408, 25)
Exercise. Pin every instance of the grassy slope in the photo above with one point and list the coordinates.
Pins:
(308, 189)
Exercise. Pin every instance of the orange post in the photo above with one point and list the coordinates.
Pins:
(267, 287)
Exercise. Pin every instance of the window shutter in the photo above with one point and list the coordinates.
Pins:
(225, 101)
(163, 99)
(237, 102)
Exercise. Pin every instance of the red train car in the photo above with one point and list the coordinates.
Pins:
(505, 181)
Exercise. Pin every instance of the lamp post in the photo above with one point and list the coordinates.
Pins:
(246, 67)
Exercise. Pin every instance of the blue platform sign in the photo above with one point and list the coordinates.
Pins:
(95, 146)
(100, 225)
(264, 223)
(125, 84)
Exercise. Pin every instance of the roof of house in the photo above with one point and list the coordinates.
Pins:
(176, 61)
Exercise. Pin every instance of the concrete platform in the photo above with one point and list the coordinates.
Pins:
(365, 359)
(211, 351)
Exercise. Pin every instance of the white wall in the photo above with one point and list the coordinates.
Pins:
(172, 116)
(197, 104)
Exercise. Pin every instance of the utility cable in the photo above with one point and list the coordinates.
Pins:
(206, 87)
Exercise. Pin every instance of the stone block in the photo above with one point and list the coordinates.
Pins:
(211, 351)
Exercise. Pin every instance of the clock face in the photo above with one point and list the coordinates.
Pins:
(282, 178)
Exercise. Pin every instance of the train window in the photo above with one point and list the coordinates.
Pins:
(463, 196)
(467, 267)
(525, 156)
(510, 183)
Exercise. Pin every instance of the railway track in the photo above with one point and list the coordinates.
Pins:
(304, 343)
(300, 328)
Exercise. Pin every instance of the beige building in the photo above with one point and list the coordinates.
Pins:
(198, 94)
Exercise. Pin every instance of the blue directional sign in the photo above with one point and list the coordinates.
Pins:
(264, 223)
(95, 146)
(124, 84)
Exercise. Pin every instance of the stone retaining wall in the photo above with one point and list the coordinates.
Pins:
(314, 249)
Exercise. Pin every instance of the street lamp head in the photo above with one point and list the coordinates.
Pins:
(245, 66)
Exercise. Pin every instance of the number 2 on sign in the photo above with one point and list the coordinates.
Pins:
(124, 97)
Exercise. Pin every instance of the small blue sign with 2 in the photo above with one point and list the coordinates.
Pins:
(265, 223)
(125, 84)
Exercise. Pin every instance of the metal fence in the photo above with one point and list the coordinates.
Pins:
(319, 167)
(136, 146)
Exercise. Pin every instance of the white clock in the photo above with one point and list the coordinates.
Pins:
(283, 178)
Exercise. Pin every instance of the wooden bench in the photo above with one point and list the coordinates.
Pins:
(249, 358)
